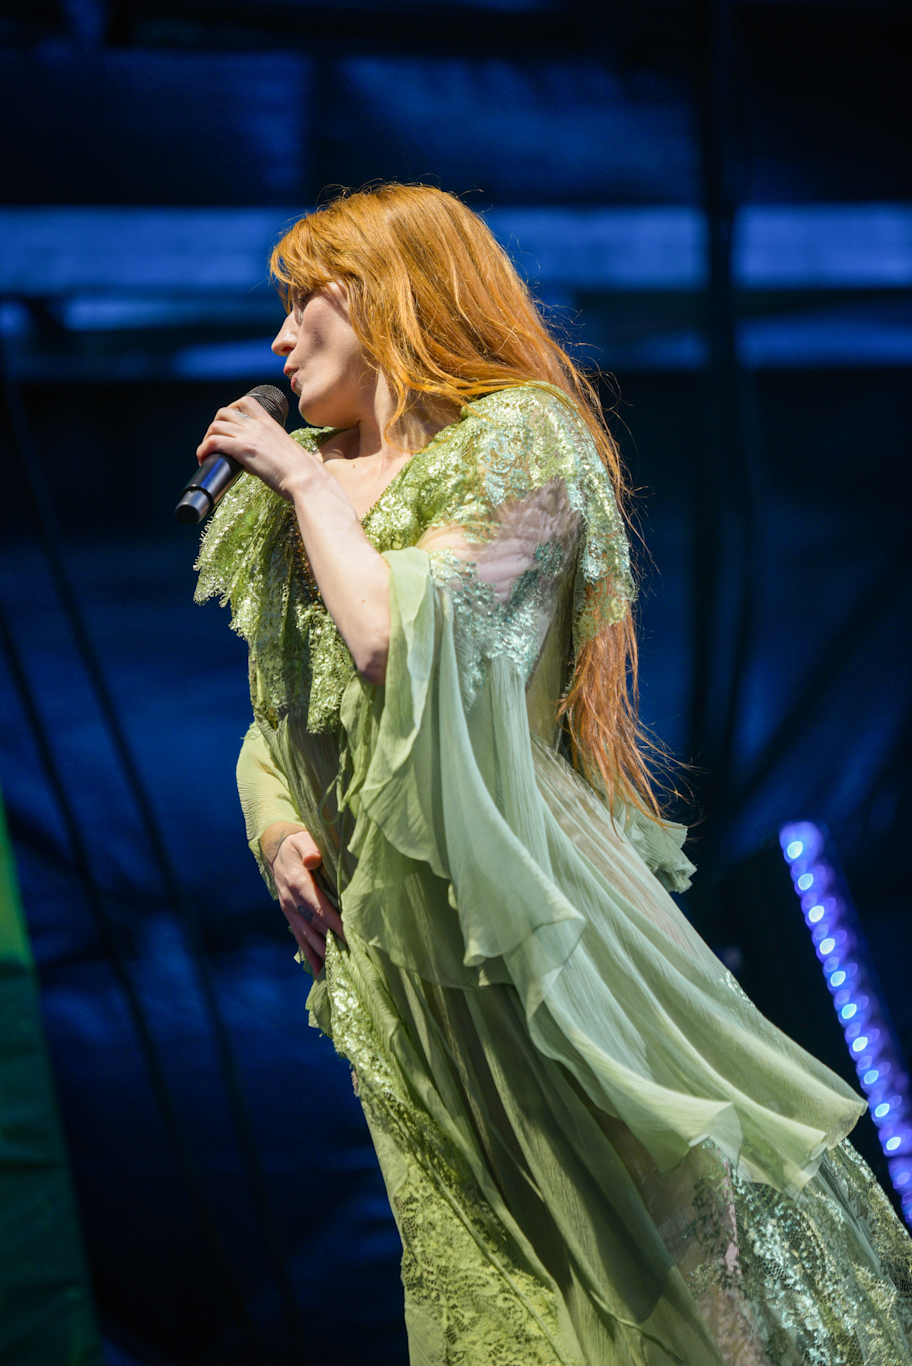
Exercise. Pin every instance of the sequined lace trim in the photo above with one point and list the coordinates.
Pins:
(822, 1281)
(493, 619)
(457, 1269)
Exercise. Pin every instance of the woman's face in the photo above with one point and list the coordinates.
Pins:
(324, 360)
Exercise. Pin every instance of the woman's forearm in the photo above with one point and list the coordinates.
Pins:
(352, 576)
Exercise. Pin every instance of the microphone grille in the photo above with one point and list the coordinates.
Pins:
(272, 399)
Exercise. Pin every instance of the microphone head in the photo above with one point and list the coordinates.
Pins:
(272, 399)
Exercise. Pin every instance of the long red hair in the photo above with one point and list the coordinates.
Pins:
(438, 304)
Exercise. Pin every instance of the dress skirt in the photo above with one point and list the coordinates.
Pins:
(537, 1230)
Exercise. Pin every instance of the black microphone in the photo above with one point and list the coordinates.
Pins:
(217, 473)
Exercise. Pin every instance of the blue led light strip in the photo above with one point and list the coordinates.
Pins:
(874, 1049)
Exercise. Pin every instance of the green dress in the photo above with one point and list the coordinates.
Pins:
(596, 1149)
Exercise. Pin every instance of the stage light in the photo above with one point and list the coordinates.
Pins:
(873, 1047)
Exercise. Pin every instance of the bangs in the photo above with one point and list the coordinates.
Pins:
(295, 267)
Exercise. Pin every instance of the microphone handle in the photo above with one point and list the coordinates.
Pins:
(205, 489)
(217, 473)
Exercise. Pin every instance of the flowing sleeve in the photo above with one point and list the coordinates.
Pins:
(264, 793)
(482, 858)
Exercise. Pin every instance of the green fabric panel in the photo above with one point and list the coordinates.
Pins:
(46, 1312)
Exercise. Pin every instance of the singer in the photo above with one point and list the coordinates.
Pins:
(596, 1149)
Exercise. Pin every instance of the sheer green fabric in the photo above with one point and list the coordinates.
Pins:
(596, 1149)
(614, 982)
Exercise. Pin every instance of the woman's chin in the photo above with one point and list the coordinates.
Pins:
(317, 414)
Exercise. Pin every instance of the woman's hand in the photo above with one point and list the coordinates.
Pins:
(245, 431)
(304, 904)
(352, 576)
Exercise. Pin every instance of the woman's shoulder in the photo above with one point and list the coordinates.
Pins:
(528, 401)
(536, 426)
(537, 435)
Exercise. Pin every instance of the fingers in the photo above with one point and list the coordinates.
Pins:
(229, 422)
(246, 432)
(310, 927)
(328, 912)
(309, 936)
(313, 914)
(248, 407)
(314, 961)
(305, 904)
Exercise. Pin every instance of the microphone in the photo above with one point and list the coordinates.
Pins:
(217, 473)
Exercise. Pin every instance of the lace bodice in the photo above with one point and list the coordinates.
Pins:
(510, 501)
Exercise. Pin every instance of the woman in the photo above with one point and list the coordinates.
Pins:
(596, 1150)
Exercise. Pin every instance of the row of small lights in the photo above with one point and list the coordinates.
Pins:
(875, 1052)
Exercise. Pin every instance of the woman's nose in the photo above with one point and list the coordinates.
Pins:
(285, 337)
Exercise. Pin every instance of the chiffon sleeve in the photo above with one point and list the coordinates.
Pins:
(482, 858)
(265, 796)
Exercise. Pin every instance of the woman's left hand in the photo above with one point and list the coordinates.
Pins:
(245, 431)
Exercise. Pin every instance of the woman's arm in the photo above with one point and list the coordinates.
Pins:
(352, 577)
(293, 858)
(288, 856)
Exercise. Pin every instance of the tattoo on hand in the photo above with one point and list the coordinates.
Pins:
(309, 915)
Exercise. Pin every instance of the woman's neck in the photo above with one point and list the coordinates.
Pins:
(412, 430)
